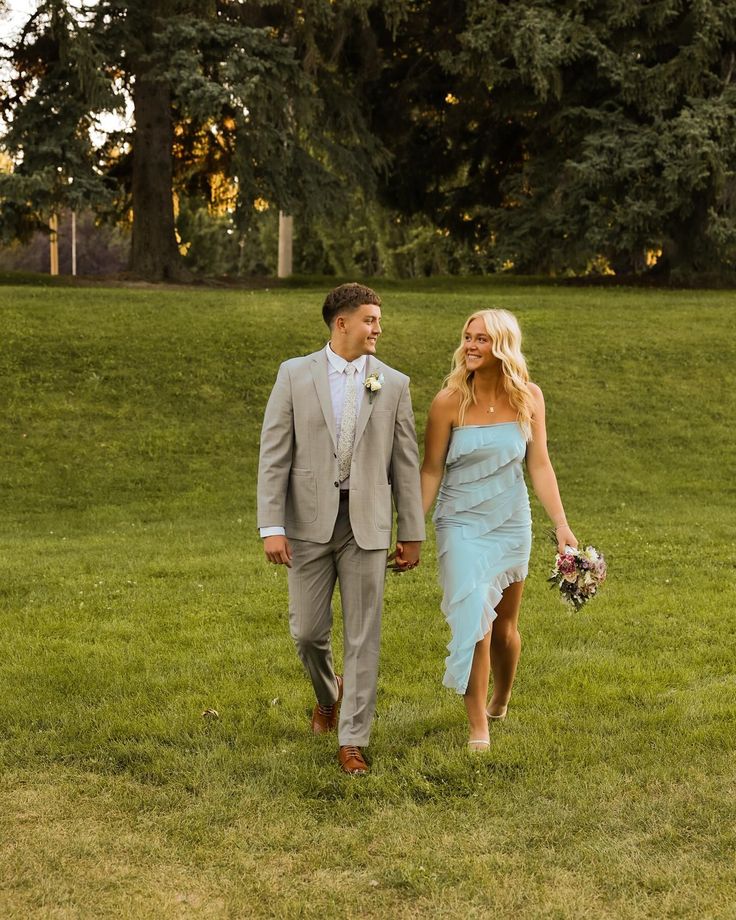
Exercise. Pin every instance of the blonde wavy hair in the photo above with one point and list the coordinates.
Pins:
(505, 335)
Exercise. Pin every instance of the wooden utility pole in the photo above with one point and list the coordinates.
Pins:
(54, 244)
(74, 242)
(286, 245)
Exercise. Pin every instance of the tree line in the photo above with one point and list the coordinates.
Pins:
(405, 136)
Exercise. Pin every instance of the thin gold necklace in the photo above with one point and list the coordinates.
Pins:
(491, 406)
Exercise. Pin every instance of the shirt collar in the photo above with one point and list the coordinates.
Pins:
(339, 364)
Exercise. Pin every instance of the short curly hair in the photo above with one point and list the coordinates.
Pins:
(345, 298)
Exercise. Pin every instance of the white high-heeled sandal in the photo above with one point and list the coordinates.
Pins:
(501, 716)
(479, 745)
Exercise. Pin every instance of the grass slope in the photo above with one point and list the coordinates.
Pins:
(134, 596)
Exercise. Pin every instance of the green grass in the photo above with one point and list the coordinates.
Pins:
(134, 596)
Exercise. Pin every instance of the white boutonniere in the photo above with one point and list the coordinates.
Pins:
(373, 383)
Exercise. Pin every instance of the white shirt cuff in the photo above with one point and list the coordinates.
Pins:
(272, 532)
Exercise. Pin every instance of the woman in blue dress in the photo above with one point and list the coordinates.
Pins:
(486, 421)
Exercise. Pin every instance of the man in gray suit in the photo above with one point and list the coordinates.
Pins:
(338, 443)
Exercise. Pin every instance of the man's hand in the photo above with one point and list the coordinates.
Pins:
(277, 550)
(406, 555)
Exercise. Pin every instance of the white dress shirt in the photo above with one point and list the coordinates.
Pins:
(338, 381)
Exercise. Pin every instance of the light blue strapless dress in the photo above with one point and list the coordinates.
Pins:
(483, 525)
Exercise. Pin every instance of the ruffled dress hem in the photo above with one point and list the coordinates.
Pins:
(459, 662)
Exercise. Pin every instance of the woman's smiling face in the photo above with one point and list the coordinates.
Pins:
(477, 345)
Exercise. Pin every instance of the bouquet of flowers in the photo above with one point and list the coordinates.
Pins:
(578, 573)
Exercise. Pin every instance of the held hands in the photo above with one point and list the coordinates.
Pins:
(405, 556)
(277, 550)
(565, 537)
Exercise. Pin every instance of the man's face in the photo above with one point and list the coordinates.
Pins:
(358, 331)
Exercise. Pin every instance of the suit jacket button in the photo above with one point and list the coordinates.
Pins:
(337, 485)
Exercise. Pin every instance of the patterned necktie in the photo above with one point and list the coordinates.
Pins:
(347, 425)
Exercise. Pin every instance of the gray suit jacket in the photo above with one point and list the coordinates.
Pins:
(298, 487)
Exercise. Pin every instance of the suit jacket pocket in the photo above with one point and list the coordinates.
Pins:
(382, 507)
(301, 499)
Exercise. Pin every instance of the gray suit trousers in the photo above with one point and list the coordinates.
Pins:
(315, 568)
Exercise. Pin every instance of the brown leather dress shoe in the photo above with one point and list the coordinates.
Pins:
(324, 718)
(351, 760)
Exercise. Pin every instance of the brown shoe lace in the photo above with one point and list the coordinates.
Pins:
(326, 710)
(351, 751)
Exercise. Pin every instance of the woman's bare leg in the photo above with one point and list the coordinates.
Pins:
(477, 690)
(505, 647)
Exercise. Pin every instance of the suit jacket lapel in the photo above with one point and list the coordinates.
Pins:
(366, 406)
(322, 385)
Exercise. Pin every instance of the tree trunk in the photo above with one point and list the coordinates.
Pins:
(154, 252)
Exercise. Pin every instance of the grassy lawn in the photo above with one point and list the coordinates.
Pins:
(134, 596)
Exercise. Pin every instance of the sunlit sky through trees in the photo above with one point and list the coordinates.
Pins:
(14, 13)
